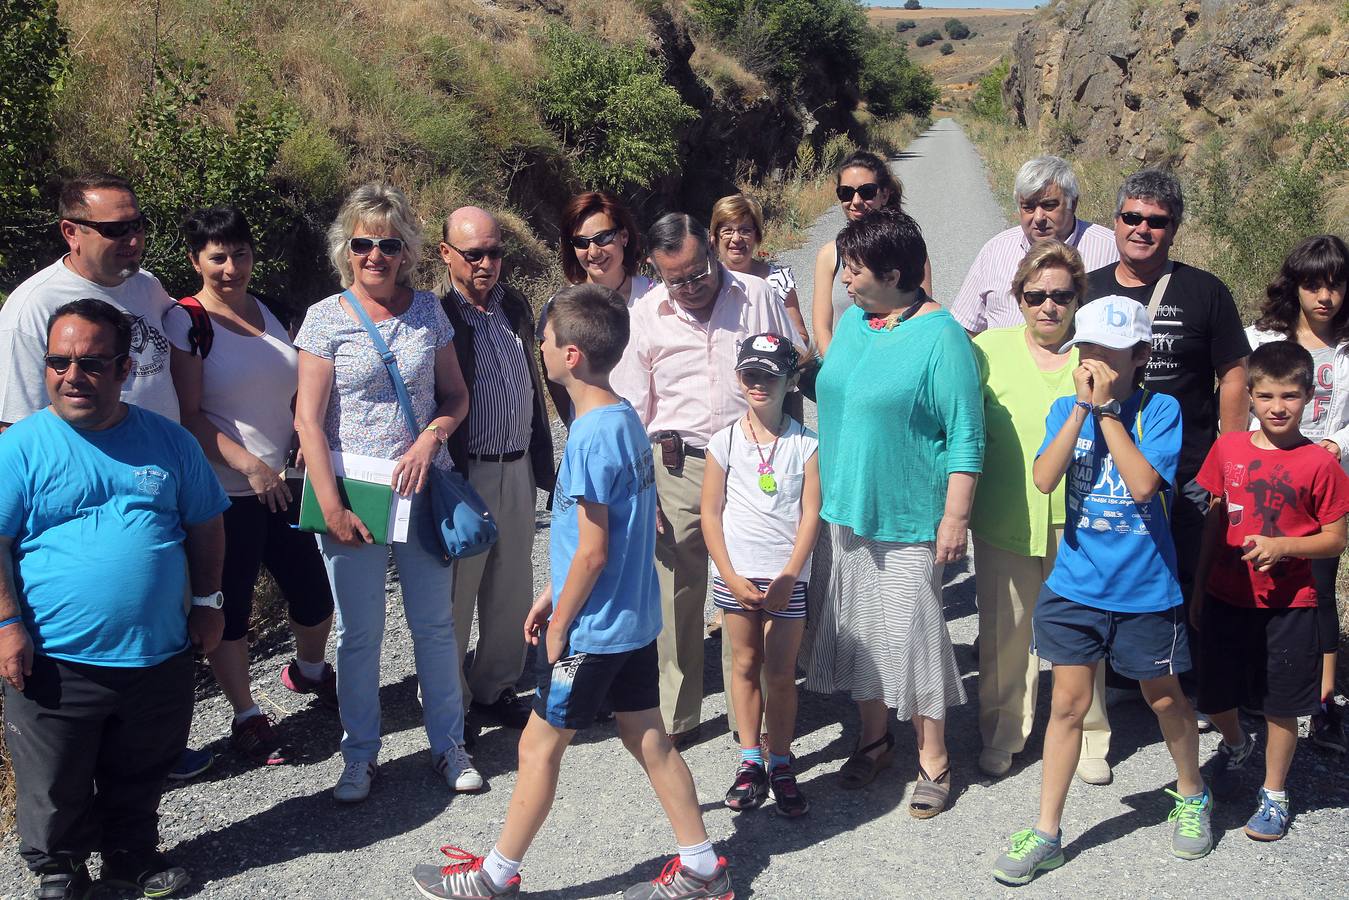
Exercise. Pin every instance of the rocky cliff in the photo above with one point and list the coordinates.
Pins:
(1150, 79)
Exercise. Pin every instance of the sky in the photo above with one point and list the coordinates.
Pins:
(964, 4)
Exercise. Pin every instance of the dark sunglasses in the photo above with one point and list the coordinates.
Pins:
(114, 230)
(1158, 222)
(868, 191)
(476, 255)
(1035, 298)
(388, 246)
(599, 239)
(89, 365)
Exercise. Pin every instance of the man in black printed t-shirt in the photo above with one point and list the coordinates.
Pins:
(1197, 339)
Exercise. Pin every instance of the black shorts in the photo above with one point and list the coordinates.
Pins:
(1139, 645)
(1325, 572)
(572, 690)
(1266, 659)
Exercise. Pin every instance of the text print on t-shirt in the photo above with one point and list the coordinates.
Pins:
(149, 347)
(643, 475)
(1325, 380)
(1105, 504)
(1165, 332)
(1271, 491)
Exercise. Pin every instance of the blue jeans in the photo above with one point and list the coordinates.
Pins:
(357, 577)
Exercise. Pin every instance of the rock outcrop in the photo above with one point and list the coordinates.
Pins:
(1150, 78)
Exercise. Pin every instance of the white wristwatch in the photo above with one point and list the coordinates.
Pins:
(210, 601)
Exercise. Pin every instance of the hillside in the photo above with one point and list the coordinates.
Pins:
(956, 74)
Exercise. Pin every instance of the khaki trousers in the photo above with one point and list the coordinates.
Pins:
(499, 584)
(681, 564)
(1007, 585)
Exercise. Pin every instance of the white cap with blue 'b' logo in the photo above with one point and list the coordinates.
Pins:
(1116, 322)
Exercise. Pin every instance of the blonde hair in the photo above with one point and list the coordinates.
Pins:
(1050, 255)
(374, 203)
(733, 209)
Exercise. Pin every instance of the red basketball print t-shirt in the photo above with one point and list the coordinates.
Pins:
(1275, 493)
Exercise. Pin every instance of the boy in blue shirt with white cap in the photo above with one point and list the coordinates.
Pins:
(1113, 593)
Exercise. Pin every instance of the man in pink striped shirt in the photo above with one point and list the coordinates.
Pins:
(685, 335)
(1046, 195)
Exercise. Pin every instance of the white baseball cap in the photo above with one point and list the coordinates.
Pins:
(1116, 322)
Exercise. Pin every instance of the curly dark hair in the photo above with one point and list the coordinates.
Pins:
(1321, 259)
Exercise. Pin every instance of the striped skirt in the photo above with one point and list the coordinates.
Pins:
(877, 629)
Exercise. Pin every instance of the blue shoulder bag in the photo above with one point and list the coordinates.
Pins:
(462, 522)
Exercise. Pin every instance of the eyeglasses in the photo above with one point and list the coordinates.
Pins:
(114, 230)
(599, 239)
(868, 191)
(688, 283)
(1061, 298)
(747, 231)
(362, 246)
(89, 365)
(475, 254)
(1158, 222)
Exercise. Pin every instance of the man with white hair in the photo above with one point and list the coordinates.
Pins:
(1046, 195)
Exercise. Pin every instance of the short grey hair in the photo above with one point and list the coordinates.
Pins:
(1160, 187)
(1037, 174)
(376, 203)
(668, 233)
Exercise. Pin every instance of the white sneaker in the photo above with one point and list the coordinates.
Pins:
(354, 785)
(456, 767)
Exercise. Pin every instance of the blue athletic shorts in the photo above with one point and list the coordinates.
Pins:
(571, 691)
(1139, 645)
(795, 608)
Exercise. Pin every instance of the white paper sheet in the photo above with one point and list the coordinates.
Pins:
(377, 471)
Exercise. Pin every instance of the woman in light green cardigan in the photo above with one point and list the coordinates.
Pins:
(1017, 528)
(901, 442)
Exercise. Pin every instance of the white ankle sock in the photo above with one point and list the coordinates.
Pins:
(500, 869)
(701, 859)
(311, 670)
(1281, 796)
(248, 713)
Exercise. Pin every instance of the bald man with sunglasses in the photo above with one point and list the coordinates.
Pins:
(505, 449)
(104, 232)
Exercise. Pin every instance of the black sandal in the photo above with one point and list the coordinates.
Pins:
(860, 769)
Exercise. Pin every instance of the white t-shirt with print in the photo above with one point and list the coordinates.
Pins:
(23, 339)
(761, 528)
(247, 384)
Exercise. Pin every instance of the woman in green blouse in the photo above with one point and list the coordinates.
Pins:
(901, 441)
(1017, 528)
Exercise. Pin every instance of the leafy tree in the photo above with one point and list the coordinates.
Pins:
(987, 101)
(889, 81)
(720, 16)
(928, 37)
(912, 4)
(612, 108)
(957, 30)
(33, 65)
(946, 49)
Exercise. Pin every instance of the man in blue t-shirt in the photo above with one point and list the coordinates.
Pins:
(601, 618)
(1113, 593)
(108, 515)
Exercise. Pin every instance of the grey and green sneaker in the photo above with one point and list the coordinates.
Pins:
(1193, 834)
(1030, 855)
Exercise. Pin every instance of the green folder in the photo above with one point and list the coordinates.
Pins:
(369, 501)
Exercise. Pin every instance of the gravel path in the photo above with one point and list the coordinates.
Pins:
(251, 833)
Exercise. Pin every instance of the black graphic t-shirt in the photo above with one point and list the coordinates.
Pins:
(1197, 330)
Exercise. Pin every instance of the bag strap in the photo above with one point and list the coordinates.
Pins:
(1138, 429)
(1158, 290)
(390, 361)
(201, 333)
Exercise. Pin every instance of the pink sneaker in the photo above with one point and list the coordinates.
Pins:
(325, 688)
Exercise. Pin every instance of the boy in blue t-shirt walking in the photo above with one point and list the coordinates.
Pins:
(1113, 592)
(602, 616)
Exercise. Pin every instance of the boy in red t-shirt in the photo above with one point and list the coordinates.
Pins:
(1279, 500)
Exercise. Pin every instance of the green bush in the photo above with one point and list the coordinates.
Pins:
(957, 30)
(946, 49)
(905, 25)
(185, 161)
(928, 37)
(611, 108)
(987, 101)
(719, 16)
(33, 66)
(890, 82)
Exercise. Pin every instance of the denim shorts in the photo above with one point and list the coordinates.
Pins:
(1143, 645)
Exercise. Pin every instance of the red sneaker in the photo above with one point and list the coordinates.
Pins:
(325, 687)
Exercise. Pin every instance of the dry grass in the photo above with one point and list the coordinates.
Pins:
(730, 80)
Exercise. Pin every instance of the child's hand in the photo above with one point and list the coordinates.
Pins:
(1331, 447)
(779, 593)
(538, 616)
(1263, 552)
(1103, 380)
(1082, 382)
(744, 592)
(557, 644)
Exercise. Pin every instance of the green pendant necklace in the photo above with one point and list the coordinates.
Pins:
(767, 483)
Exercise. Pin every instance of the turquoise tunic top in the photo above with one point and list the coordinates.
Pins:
(899, 411)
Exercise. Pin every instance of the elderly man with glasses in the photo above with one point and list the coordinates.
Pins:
(1046, 194)
(105, 232)
(505, 448)
(685, 334)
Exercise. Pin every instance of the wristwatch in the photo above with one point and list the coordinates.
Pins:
(210, 601)
(1110, 409)
(440, 433)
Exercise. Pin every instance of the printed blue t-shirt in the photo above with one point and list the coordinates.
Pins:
(608, 460)
(97, 520)
(1117, 555)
